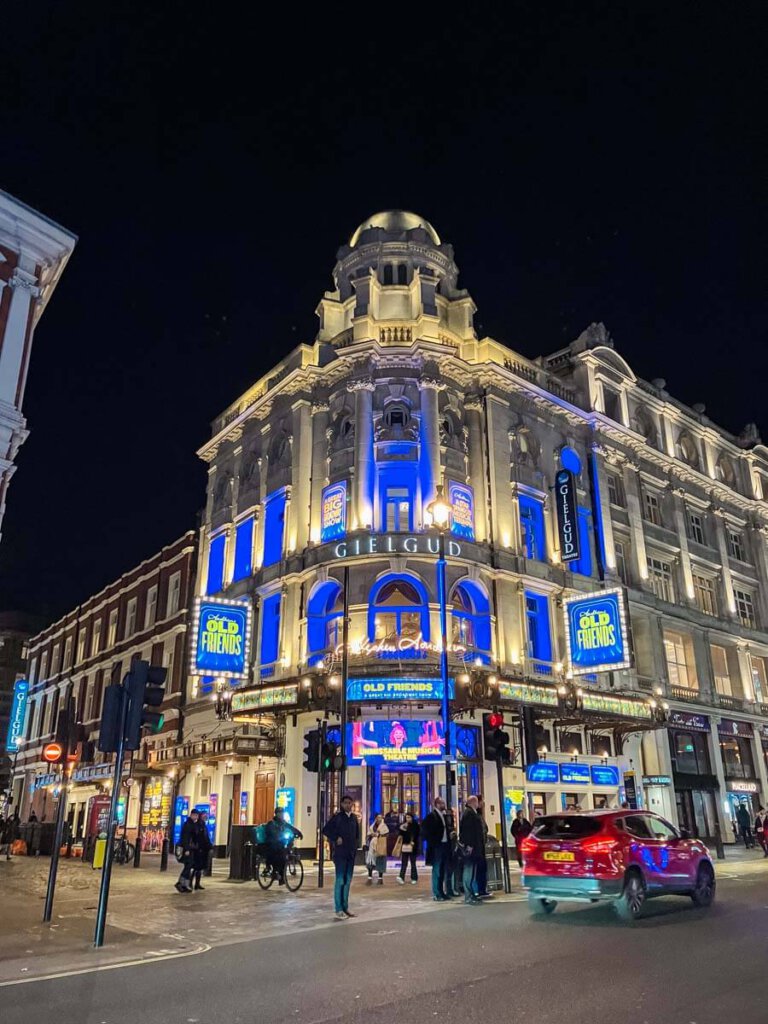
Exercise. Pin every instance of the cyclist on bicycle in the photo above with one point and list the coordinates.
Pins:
(279, 837)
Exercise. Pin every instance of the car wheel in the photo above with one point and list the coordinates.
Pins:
(629, 906)
(704, 893)
(540, 907)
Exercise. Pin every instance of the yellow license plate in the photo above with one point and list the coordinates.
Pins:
(559, 856)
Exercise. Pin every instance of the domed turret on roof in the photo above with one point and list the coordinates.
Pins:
(394, 222)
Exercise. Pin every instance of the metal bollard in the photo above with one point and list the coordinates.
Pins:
(137, 854)
(719, 842)
(164, 856)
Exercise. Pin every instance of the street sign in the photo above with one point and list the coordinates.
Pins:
(53, 752)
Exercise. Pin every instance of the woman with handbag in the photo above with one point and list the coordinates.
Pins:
(376, 858)
(408, 839)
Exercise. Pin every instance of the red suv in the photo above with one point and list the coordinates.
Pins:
(622, 856)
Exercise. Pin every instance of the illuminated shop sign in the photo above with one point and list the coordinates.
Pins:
(689, 720)
(397, 688)
(730, 727)
(574, 774)
(395, 742)
(245, 701)
(395, 544)
(285, 799)
(742, 787)
(596, 632)
(15, 735)
(605, 775)
(527, 694)
(543, 771)
(396, 647)
(607, 705)
(567, 515)
(333, 516)
(462, 502)
(221, 638)
(657, 780)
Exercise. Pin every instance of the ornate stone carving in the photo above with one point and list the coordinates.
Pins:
(361, 384)
(26, 282)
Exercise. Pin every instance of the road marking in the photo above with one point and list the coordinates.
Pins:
(155, 958)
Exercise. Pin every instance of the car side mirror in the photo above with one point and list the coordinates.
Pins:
(684, 833)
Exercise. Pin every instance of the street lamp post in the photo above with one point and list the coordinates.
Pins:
(440, 512)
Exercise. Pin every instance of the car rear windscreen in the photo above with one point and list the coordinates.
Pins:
(566, 826)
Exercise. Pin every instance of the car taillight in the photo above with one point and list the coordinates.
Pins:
(528, 845)
(600, 845)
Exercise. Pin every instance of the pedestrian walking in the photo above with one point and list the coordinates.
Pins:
(438, 832)
(521, 828)
(185, 851)
(376, 858)
(203, 851)
(471, 838)
(408, 837)
(343, 833)
(761, 828)
(744, 821)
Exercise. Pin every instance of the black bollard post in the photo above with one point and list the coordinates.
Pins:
(164, 856)
(137, 852)
(719, 842)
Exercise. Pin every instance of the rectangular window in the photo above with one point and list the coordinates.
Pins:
(216, 553)
(274, 527)
(67, 653)
(243, 549)
(397, 510)
(704, 592)
(81, 637)
(150, 611)
(620, 549)
(537, 622)
(612, 404)
(745, 608)
(681, 667)
(720, 671)
(112, 628)
(532, 527)
(660, 579)
(174, 594)
(736, 545)
(270, 633)
(96, 638)
(616, 490)
(130, 618)
(583, 565)
(44, 667)
(55, 659)
(759, 678)
(168, 664)
(695, 528)
(651, 508)
(33, 672)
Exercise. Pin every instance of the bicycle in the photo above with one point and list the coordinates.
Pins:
(265, 874)
(122, 851)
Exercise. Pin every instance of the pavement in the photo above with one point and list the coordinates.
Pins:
(233, 953)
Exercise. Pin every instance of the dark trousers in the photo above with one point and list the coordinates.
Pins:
(412, 858)
(185, 878)
(519, 854)
(746, 833)
(277, 859)
(441, 863)
(481, 876)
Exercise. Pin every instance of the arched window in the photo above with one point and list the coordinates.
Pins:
(325, 610)
(399, 607)
(471, 618)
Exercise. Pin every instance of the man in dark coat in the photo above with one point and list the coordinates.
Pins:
(188, 844)
(438, 832)
(521, 828)
(471, 840)
(343, 833)
(204, 847)
(744, 820)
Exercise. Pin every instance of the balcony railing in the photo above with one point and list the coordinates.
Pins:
(730, 703)
(738, 771)
(684, 693)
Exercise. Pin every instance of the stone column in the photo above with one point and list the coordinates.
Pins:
(605, 526)
(431, 472)
(758, 536)
(635, 514)
(717, 766)
(297, 534)
(745, 672)
(504, 514)
(722, 546)
(477, 471)
(365, 469)
(762, 774)
(258, 554)
(320, 422)
(681, 528)
(14, 337)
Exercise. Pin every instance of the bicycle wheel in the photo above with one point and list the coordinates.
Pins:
(294, 873)
(118, 853)
(262, 872)
(130, 852)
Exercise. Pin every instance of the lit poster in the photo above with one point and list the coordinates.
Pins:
(395, 742)
(596, 632)
(333, 516)
(221, 638)
(462, 503)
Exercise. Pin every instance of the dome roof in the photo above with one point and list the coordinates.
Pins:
(395, 222)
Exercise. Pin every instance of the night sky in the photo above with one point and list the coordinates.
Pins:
(587, 161)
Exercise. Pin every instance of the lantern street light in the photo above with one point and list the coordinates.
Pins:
(440, 512)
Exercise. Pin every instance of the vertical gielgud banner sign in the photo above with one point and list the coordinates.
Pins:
(567, 515)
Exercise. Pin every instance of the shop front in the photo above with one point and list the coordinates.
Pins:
(560, 782)
(696, 785)
(737, 749)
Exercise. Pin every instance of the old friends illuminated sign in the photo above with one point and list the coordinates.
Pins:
(567, 516)
(395, 544)
(397, 688)
(221, 638)
(596, 632)
(333, 517)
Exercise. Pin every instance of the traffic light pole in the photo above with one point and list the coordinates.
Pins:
(446, 706)
(106, 871)
(344, 677)
(321, 810)
(58, 836)
(504, 843)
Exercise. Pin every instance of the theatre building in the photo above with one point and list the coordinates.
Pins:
(141, 615)
(605, 568)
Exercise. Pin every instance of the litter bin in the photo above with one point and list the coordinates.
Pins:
(99, 851)
(240, 856)
(493, 855)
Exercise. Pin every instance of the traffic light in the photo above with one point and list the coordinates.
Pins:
(65, 732)
(312, 751)
(530, 746)
(495, 739)
(331, 759)
(145, 689)
(111, 715)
